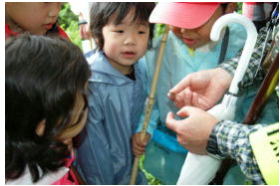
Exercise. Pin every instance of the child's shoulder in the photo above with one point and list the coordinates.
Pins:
(96, 59)
(140, 63)
(91, 55)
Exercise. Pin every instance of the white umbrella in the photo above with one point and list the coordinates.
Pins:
(201, 169)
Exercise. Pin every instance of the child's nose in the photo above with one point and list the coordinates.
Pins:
(185, 31)
(130, 39)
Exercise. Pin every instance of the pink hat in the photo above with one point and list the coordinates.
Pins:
(184, 15)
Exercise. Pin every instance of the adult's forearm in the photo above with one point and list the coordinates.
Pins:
(232, 140)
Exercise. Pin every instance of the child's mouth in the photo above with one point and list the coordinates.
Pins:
(48, 26)
(128, 54)
(189, 42)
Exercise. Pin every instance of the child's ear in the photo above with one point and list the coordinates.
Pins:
(231, 7)
(40, 129)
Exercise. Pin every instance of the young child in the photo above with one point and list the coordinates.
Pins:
(189, 49)
(38, 18)
(116, 91)
(46, 106)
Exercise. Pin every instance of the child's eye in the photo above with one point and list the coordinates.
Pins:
(119, 31)
(141, 32)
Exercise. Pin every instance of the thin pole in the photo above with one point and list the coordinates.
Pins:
(151, 100)
(267, 87)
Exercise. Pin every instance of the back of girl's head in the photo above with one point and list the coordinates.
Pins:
(43, 77)
(101, 12)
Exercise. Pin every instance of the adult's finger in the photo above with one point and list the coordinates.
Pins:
(183, 98)
(172, 123)
(184, 83)
(186, 111)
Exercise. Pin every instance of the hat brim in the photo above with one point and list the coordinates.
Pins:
(183, 15)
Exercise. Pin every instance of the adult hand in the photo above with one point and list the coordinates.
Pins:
(139, 145)
(192, 132)
(201, 89)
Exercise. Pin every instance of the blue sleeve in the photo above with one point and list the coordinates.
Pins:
(94, 157)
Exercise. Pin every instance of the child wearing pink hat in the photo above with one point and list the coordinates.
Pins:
(189, 49)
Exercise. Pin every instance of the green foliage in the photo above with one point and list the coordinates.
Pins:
(69, 22)
(239, 7)
(151, 179)
(159, 29)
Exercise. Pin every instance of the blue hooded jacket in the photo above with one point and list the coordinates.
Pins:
(115, 106)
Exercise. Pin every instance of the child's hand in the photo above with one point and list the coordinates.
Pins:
(138, 146)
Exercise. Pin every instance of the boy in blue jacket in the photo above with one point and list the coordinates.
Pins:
(116, 91)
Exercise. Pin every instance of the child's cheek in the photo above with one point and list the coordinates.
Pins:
(114, 46)
(109, 47)
(177, 33)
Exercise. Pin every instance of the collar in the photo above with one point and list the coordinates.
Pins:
(207, 47)
(9, 32)
(103, 71)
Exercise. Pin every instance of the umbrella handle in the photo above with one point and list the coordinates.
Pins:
(248, 47)
(226, 109)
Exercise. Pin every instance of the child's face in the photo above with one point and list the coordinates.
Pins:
(126, 42)
(35, 17)
(78, 119)
(195, 38)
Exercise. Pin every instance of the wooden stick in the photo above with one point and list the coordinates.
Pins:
(151, 100)
(266, 89)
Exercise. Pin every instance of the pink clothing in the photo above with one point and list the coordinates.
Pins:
(69, 178)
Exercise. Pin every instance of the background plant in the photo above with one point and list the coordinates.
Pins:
(69, 22)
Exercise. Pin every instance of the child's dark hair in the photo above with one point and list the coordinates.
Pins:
(43, 77)
(101, 12)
